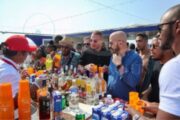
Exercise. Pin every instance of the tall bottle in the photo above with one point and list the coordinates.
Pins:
(44, 103)
(24, 100)
(6, 102)
(49, 62)
(102, 81)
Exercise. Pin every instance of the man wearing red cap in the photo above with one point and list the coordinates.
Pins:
(15, 50)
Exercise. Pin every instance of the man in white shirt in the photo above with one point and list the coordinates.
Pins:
(15, 50)
(169, 80)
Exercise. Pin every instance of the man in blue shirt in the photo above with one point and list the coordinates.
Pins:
(125, 67)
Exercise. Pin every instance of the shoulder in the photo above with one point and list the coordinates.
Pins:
(133, 55)
(169, 82)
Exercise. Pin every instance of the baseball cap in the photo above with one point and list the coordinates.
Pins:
(18, 43)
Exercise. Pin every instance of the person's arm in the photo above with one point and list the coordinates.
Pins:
(131, 76)
(135, 114)
(162, 115)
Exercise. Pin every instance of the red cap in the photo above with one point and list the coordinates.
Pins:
(18, 43)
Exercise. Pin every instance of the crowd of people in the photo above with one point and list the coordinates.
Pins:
(153, 72)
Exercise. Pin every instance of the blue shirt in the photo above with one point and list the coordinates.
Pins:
(119, 85)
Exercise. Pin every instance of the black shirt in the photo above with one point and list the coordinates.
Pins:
(154, 94)
(99, 58)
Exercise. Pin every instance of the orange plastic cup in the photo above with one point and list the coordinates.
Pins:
(6, 102)
(30, 70)
(24, 100)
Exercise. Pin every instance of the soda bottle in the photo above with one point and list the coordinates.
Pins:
(44, 103)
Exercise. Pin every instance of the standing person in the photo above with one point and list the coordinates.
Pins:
(96, 53)
(86, 43)
(125, 67)
(169, 79)
(144, 53)
(15, 50)
(68, 57)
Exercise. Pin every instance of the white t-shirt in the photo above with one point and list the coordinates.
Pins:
(169, 83)
(9, 74)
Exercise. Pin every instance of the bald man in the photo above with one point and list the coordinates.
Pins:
(125, 67)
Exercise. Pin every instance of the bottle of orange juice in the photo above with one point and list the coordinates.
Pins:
(103, 82)
(6, 102)
(24, 100)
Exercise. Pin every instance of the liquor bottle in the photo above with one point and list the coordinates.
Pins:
(24, 100)
(6, 102)
(44, 103)
(102, 81)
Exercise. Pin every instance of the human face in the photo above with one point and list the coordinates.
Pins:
(96, 42)
(22, 56)
(166, 34)
(155, 49)
(113, 46)
(141, 43)
(65, 50)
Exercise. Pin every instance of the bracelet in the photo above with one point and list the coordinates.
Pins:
(136, 117)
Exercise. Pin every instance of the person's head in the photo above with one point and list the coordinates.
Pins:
(117, 41)
(16, 48)
(57, 39)
(96, 40)
(66, 47)
(132, 46)
(170, 29)
(141, 41)
(50, 47)
(156, 52)
(86, 43)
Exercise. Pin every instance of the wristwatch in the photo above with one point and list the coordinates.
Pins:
(136, 117)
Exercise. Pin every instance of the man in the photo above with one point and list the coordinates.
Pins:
(68, 57)
(161, 57)
(86, 43)
(124, 69)
(96, 54)
(15, 50)
(144, 52)
(169, 80)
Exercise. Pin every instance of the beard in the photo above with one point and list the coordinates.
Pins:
(169, 41)
(114, 50)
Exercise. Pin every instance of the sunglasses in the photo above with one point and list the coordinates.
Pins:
(86, 44)
(153, 46)
(168, 23)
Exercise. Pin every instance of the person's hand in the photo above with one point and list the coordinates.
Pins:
(116, 59)
(151, 107)
(131, 110)
(24, 74)
(89, 67)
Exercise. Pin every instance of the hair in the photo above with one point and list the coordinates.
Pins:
(58, 38)
(6, 52)
(97, 33)
(143, 35)
(132, 46)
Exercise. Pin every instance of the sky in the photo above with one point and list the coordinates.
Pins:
(74, 16)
